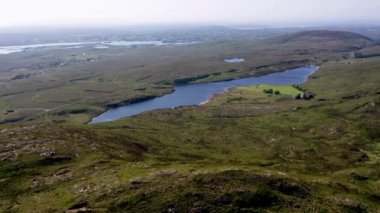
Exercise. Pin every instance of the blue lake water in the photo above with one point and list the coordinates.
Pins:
(195, 94)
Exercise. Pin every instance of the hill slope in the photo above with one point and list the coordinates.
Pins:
(244, 151)
(339, 40)
(326, 34)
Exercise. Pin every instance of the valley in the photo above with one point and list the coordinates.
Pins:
(250, 149)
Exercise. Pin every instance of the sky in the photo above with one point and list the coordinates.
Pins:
(131, 12)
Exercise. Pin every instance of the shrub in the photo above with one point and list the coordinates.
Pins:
(305, 96)
(268, 91)
(309, 95)
(298, 87)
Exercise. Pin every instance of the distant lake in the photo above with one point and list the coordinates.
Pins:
(132, 43)
(97, 45)
(195, 94)
(234, 60)
(14, 49)
(141, 43)
(101, 47)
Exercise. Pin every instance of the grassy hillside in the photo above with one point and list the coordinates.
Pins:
(37, 87)
(330, 35)
(370, 51)
(245, 151)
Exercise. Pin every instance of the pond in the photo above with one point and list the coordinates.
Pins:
(234, 60)
(195, 94)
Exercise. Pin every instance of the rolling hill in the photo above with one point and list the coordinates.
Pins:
(325, 39)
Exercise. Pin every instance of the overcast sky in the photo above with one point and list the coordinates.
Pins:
(124, 12)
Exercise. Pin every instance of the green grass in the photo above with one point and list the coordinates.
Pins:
(3, 106)
(284, 90)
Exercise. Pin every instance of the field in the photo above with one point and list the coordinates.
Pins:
(244, 151)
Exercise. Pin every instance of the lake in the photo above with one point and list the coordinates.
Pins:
(4, 50)
(234, 60)
(13, 49)
(195, 94)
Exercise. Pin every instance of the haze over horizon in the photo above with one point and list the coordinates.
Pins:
(131, 12)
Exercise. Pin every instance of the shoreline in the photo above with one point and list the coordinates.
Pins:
(145, 98)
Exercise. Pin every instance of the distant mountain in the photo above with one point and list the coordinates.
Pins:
(325, 39)
(336, 35)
